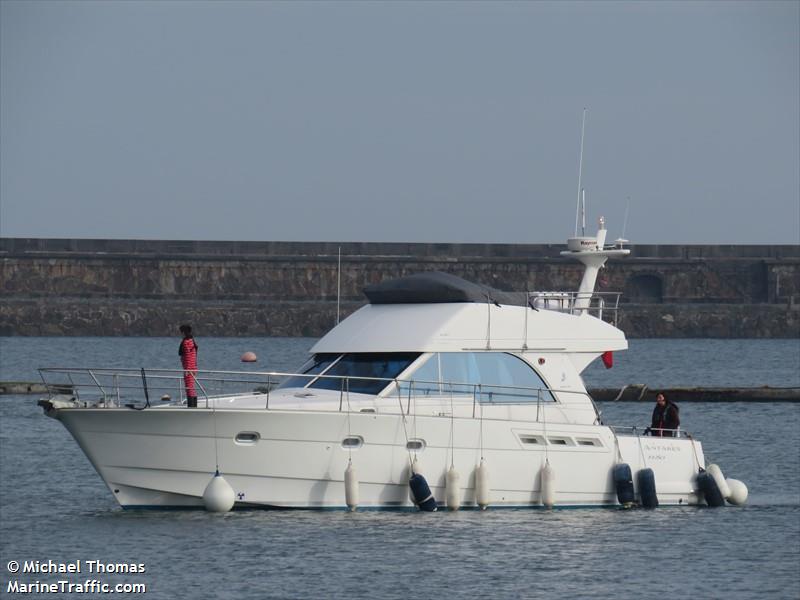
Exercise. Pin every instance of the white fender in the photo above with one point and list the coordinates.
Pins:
(719, 479)
(350, 487)
(218, 495)
(548, 485)
(453, 495)
(482, 491)
(738, 492)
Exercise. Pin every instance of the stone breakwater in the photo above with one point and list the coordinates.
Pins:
(147, 287)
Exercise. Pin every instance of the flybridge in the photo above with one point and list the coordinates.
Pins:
(436, 287)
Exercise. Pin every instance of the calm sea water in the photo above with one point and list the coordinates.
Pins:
(53, 506)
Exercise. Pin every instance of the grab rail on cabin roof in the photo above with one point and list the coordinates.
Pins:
(600, 303)
(123, 387)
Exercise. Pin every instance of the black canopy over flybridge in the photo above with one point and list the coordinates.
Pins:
(437, 287)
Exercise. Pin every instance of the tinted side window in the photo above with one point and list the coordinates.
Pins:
(425, 379)
(517, 378)
(503, 377)
(314, 366)
(386, 365)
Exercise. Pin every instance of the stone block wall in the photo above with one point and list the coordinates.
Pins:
(146, 287)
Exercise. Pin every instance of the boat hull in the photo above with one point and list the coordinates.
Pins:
(165, 457)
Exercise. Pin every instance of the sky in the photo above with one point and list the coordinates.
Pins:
(400, 121)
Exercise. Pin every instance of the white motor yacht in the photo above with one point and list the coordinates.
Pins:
(477, 391)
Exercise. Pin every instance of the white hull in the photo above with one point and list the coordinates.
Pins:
(165, 457)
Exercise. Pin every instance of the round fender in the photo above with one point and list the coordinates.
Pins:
(719, 479)
(646, 482)
(423, 497)
(218, 495)
(547, 478)
(623, 483)
(453, 489)
(350, 487)
(482, 490)
(709, 489)
(738, 492)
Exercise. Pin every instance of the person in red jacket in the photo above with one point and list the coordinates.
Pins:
(188, 353)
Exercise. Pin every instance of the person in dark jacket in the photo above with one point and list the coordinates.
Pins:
(188, 353)
(665, 418)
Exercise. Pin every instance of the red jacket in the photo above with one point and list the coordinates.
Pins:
(188, 353)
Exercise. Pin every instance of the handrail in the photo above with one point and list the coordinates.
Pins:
(567, 302)
(124, 380)
(633, 430)
(163, 380)
(178, 373)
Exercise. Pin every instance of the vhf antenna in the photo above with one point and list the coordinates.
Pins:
(583, 212)
(625, 220)
(580, 174)
(621, 240)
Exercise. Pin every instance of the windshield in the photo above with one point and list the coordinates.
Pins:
(382, 365)
(314, 366)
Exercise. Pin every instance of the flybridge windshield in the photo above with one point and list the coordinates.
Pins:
(365, 372)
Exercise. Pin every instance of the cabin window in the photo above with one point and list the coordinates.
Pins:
(503, 378)
(415, 445)
(247, 437)
(558, 442)
(530, 439)
(425, 380)
(588, 442)
(365, 373)
(352, 443)
(314, 366)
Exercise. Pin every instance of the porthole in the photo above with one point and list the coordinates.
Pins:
(247, 438)
(588, 442)
(558, 442)
(530, 439)
(353, 442)
(415, 445)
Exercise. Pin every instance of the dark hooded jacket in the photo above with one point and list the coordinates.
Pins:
(665, 417)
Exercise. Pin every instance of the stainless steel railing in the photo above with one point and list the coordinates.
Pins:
(108, 388)
(597, 304)
(651, 431)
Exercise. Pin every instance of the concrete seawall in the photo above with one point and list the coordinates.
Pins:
(143, 287)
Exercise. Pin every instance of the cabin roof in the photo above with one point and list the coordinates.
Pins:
(435, 287)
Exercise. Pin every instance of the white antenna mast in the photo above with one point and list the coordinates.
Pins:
(621, 240)
(338, 284)
(580, 174)
(583, 212)
(625, 220)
